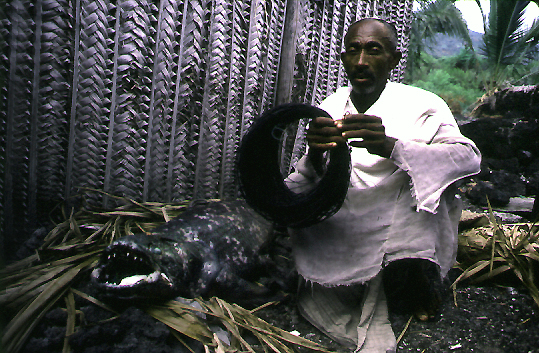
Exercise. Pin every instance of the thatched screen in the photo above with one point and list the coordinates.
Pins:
(149, 99)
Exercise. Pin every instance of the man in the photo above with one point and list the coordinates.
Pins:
(400, 213)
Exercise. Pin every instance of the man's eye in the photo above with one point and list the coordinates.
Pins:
(354, 52)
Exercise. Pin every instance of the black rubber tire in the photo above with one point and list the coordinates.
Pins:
(262, 184)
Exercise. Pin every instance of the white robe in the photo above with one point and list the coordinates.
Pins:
(398, 207)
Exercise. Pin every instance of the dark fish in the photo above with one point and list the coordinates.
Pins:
(211, 248)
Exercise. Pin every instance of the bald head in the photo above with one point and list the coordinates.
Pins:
(391, 31)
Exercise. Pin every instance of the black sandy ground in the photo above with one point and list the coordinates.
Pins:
(489, 319)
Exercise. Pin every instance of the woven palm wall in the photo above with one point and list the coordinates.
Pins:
(149, 98)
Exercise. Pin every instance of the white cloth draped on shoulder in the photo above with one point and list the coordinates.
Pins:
(398, 207)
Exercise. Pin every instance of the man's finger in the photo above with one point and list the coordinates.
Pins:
(354, 118)
(364, 134)
(363, 126)
(323, 131)
(320, 139)
(322, 121)
(365, 144)
(323, 146)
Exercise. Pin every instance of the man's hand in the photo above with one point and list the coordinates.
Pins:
(369, 132)
(359, 130)
(323, 134)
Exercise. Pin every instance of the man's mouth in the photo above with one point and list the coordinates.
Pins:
(362, 78)
(363, 75)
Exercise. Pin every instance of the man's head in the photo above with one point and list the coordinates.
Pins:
(370, 55)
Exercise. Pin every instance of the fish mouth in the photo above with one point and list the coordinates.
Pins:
(126, 267)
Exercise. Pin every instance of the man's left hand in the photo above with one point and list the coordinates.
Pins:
(369, 131)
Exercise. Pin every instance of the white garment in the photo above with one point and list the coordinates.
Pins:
(354, 316)
(398, 207)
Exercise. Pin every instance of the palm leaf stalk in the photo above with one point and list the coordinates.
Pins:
(32, 286)
(487, 252)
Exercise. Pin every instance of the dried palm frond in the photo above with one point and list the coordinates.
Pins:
(184, 318)
(32, 286)
(489, 251)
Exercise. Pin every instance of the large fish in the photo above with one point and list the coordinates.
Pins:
(212, 248)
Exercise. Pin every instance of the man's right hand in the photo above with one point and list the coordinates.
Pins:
(323, 134)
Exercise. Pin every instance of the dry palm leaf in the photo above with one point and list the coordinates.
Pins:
(32, 286)
(183, 318)
(486, 252)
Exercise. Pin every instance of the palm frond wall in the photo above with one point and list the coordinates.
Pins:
(149, 99)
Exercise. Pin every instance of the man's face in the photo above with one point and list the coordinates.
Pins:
(368, 57)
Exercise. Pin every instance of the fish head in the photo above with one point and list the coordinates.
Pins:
(149, 266)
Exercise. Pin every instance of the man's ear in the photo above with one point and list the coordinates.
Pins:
(397, 56)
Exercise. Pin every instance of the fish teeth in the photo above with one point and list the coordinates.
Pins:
(132, 280)
(135, 279)
(153, 277)
(165, 277)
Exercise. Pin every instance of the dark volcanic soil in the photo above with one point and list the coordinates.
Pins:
(486, 319)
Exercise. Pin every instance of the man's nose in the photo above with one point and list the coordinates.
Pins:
(362, 59)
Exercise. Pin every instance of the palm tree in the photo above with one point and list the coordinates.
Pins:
(505, 43)
(434, 16)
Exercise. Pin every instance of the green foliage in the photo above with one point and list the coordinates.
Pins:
(509, 54)
(434, 16)
(526, 73)
(453, 78)
(463, 78)
(516, 74)
(509, 51)
(504, 42)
